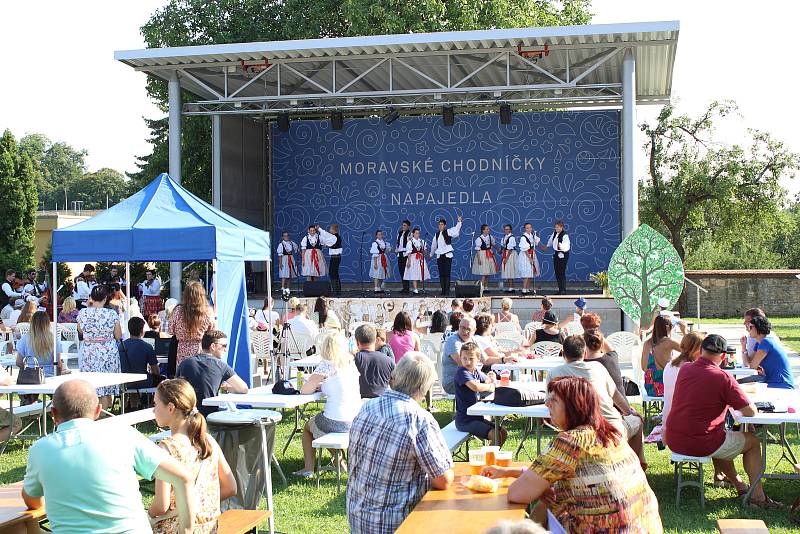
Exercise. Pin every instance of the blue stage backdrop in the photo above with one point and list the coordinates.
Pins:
(540, 168)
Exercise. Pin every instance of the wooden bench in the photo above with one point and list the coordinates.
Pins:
(741, 526)
(241, 521)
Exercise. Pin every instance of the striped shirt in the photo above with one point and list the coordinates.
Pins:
(396, 448)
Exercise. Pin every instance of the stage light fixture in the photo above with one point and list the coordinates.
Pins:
(448, 115)
(391, 115)
(337, 120)
(505, 114)
(283, 122)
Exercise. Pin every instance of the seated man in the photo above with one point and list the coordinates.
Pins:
(613, 404)
(703, 393)
(137, 355)
(451, 353)
(301, 324)
(374, 367)
(207, 372)
(87, 472)
(397, 451)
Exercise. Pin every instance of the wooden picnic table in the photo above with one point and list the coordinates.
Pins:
(14, 513)
(460, 509)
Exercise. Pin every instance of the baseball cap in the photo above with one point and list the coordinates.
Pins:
(550, 318)
(714, 344)
(663, 302)
(580, 303)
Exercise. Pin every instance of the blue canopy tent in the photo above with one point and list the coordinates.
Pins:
(165, 222)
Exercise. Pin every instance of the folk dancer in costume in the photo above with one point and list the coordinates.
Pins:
(508, 262)
(333, 241)
(151, 294)
(379, 266)
(314, 265)
(416, 267)
(443, 249)
(527, 263)
(559, 240)
(483, 264)
(401, 246)
(287, 268)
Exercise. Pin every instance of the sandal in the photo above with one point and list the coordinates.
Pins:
(723, 482)
(766, 504)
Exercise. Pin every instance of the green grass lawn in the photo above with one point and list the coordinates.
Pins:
(787, 328)
(302, 508)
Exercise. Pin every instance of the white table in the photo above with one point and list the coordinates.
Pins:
(262, 397)
(50, 385)
(741, 371)
(535, 364)
(782, 399)
(497, 412)
(308, 361)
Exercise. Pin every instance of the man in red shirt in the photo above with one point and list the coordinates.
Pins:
(703, 393)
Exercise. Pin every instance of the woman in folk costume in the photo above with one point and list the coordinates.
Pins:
(483, 263)
(508, 258)
(527, 263)
(314, 265)
(416, 267)
(287, 268)
(379, 267)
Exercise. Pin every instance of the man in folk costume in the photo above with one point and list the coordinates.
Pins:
(287, 268)
(508, 261)
(559, 240)
(379, 267)
(443, 249)
(314, 265)
(483, 264)
(401, 246)
(416, 267)
(333, 241)
(151, 294)
(527, 263)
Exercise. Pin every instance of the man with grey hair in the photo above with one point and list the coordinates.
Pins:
(451, 350)
(374, 367)
(397, 451)
(88, 472)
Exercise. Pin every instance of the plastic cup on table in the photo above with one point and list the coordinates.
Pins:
(503, 458)
(504, 377)
(477, 459)
(491, 451)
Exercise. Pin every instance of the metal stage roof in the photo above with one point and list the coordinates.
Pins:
(562, 66)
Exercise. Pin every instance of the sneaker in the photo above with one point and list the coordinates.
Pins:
(416, 291)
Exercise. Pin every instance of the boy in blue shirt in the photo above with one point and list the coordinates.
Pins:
(470, 382)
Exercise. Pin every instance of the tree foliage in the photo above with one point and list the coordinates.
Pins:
(98, 189)
(699, 189)
(199, 22)
(18, 180)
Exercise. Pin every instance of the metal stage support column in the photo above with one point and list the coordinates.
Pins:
(174, 87)
(630, 191)
(216, 160)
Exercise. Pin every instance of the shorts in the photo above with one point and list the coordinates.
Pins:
(321, 425)
(732, 447)
(477, 427)
(632, 425)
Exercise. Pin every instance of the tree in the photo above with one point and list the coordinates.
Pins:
(57, 166)
(644, 268)
(18, 198)
(698, 187)
(197, 22)
(96, 189)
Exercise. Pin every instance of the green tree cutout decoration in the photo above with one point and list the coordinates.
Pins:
(644, 268)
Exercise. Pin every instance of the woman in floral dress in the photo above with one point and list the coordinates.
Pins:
(175, 408)
(190, 320)
(101, 330)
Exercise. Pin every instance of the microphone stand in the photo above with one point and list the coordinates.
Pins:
(361, 263)
(425, 262)
(533, 280)
(471, 251)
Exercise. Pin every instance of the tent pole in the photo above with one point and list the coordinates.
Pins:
(128, 291)
(214, 287)
(54, 298)
(271, 321)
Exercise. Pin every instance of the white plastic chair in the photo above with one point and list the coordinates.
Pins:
(572, 329)
(547, 349)
(260, 345)
(507, 344)
(627, 345)
(434, 353)
(530, 328)
(507, 326)
(22, 329)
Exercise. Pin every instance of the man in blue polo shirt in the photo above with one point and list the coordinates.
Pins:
(87, 471)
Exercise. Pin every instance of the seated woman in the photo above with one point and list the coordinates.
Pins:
(485, 340)
(326, 317)
(402, 338)
(175, 408)
(69, 311)
(505, 315)
(656, 354)
(769, 356)
(36, 348)
(337, 377)
(690, 351)
(588, 477)
(154, 323)
(592, 321)
(596, 352)
(549, 331)
(439, 322)
(546, 305)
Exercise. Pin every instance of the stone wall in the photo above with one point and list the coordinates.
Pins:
(730, 293)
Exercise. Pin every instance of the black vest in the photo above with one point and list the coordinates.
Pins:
(560, 238)
(338, 242)
(414, 249)
(484, 246)
(401, 235)
(447, 237)
(288, 250)
(3, 297)
(506, 239)
(380, 250)
(315, 245)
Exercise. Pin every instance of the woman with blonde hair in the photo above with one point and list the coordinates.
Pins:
(337, 377)
(36, 348)
(190, 320)
(690, 351)
(69, 311)
(175, 407)
(28, 310)
(505, 315)
(166, 314)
